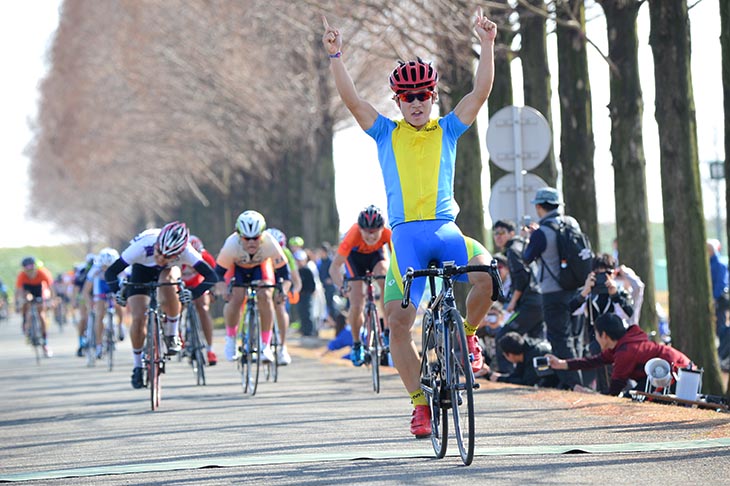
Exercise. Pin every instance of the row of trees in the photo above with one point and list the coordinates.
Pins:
(198, 109)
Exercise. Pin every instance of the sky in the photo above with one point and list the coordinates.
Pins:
(27, 27)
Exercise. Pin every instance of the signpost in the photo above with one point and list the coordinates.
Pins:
(518, 140)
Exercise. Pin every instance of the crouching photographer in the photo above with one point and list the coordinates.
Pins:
(628, 348)
(528, 355)
(600, 295)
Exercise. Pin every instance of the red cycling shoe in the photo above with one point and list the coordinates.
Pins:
(421, 422)
(477, 360)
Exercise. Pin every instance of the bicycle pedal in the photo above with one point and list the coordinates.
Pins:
(476, 386)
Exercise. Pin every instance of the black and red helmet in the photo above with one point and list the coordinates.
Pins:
(413, 76)
(370, 218)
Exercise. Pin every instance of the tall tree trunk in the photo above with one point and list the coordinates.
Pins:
(725, 44)
(627, 148)
(690, 312)
(536, 77)
(576, 133)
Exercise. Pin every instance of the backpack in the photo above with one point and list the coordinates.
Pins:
(576, 256)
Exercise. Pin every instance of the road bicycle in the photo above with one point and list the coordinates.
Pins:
(250, 334)
(446, 375)
(154, 359)
(271, 370)
(33, 327)
(195, 343)
(59, 313)
(372, 328)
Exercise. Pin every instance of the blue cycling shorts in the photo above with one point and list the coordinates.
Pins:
(416, 244)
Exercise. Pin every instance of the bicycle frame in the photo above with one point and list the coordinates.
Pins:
(35, 333)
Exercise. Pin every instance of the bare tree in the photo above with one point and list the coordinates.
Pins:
(684, 226)
(576, 132)
(627, 147)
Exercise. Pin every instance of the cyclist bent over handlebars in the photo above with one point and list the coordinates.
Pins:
(156, 255)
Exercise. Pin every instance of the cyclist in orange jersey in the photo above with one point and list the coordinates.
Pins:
(361, 251)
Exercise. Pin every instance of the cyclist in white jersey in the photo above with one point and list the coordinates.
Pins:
(247, 251)
(157, 255)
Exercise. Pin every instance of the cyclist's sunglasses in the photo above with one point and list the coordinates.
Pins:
(409, 97)
(254, 238)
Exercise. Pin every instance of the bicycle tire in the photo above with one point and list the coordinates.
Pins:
(272, 367)
(461, 387)
(431, 384)
(250, 357)
(373, 343)
(35, 333)
(196, 344)
(91, 340)
(109, 338)
(153, 360)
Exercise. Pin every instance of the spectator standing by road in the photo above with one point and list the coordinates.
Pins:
(305, 306)
(543, 248)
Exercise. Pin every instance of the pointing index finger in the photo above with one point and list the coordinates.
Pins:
(324, 22)
(479, 13)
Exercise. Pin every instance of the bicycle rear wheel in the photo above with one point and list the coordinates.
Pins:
(250, 358)
(153, 361)
(461, 386)
(431, 384)
(372, 340)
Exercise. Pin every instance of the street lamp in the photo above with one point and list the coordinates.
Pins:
(717, 174)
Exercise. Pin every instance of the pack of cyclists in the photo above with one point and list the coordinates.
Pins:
(417, 157)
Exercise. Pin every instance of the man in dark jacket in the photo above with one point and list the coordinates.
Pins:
(628, 348)
(524, 310)
(521, 352)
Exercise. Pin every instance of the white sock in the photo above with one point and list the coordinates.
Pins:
(172, 325)
(137, 357)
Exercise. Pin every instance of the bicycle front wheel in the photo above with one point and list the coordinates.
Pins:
(272, 367)
(251, 356)
(153, 361)
(432, 386)
(373, 345)
(461, 386)
(35, 334)
(91, 340)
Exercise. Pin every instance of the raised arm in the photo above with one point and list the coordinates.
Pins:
(365, 114)
(470, 104)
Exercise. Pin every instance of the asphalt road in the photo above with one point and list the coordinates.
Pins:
(64, 423)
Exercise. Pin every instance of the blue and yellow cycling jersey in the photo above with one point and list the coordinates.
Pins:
(418, 167)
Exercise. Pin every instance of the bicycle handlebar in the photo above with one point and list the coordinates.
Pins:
(447, 272)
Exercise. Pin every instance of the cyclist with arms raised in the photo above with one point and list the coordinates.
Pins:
(35, 281)
(417, 158)
(156, 255)
(361, 251)
(247, 251)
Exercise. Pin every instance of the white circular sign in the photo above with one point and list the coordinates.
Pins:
(534, 134)
(503, 201)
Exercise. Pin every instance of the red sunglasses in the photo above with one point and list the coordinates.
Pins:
(409, 97)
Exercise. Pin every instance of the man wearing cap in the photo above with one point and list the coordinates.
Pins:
(543, 248)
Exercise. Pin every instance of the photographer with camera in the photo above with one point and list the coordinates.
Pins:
(529, 357)
(628, 349)
(600, 295)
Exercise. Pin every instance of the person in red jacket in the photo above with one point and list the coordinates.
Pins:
(628, 348)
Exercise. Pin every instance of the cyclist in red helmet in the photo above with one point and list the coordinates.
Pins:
(417, 157)
(361, 251)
